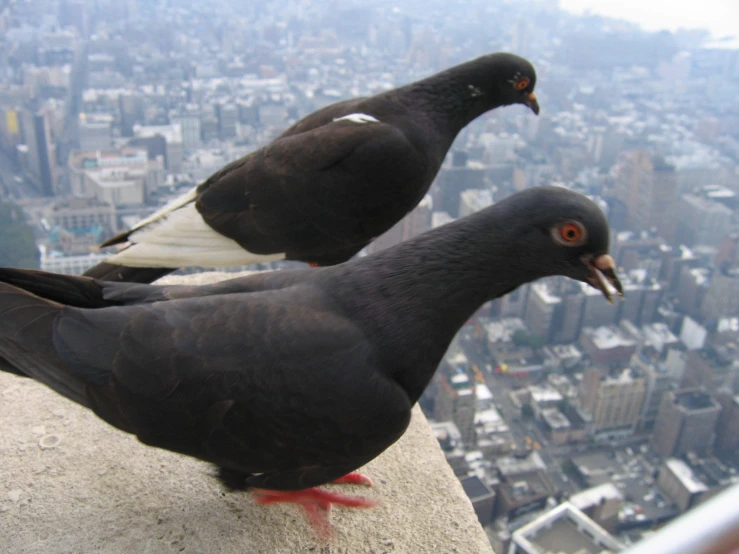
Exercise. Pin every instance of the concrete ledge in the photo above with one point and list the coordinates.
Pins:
(100, 490)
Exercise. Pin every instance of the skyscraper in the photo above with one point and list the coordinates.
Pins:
(685, 422)
(647, 185)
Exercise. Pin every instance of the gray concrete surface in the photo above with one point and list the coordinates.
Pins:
(70, 483)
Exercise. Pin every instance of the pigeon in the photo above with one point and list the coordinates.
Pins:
(327, 186)
(287, 380)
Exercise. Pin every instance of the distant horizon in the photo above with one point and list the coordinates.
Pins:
(719, 17)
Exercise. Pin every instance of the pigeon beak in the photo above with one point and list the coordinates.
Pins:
(532, 102)
(603, 276)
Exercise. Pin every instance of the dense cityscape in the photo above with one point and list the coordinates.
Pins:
(551, 405)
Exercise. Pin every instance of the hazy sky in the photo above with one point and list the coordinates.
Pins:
(721, 17)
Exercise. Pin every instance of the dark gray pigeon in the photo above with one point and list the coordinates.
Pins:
(328, 185)
(287, 380)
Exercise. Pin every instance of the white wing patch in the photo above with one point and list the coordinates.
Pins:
(358, 118)
(181, 238)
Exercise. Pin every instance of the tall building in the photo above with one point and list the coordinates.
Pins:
(481, 496)
(706, 368)
(657, 381)
(452, 179)
(680, 484)
(41, 148)
(722, 295)
(686, 422)
(190, 125)
(643, 250)
(95, 131)
(615, 400)
(647, 185)
(227, 116)
(173, 143)
(455, 400)
(702, 221)
(727, 428)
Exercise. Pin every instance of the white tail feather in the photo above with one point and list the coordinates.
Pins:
(181, 238)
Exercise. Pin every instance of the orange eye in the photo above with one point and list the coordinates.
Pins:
(522, 83)
(570, 232)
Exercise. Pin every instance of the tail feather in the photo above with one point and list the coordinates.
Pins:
(80, 292)
(112, 272)
(26, 341)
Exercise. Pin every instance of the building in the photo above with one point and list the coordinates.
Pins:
(95, 131)
(118, 177)
(40, 148)
(482, 498)
(647, 185)
(600, 503)
(727, 427)
(678, 482)
(615, 399)
(68, 265)
(417, 221)
(702, 221)
(692, 288)
(642, 295)
(639, 250)
(722, 296)
(190, 125)
(455, 400)
(474, 200)
(563, 529)
(450, 441)
(686, 421)
(173, 143)
(658, 380)
(227, 116)
(706, 368)
(607, 346)
(452, 179)
(524, 485)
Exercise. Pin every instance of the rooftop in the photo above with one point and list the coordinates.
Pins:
(694, 399)
(607, 338)
(565, 529)
(593, 496)
(682, 471)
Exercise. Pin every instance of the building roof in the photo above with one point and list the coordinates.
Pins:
(685, 475)
(593, 496)
(475, 488)
(564, 529)
(608, 337)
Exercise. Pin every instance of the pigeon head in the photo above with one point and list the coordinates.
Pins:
(562, 232)
(512, 79)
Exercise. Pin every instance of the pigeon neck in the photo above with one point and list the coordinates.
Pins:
(454, 98)
(416, 296)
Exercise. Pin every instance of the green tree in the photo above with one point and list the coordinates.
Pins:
(17, 244)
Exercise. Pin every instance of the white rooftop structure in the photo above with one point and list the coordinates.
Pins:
(564, 529)
(682, 471)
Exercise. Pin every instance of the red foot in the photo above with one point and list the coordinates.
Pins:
(312, 264)
(354, 478)
(316, 502)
